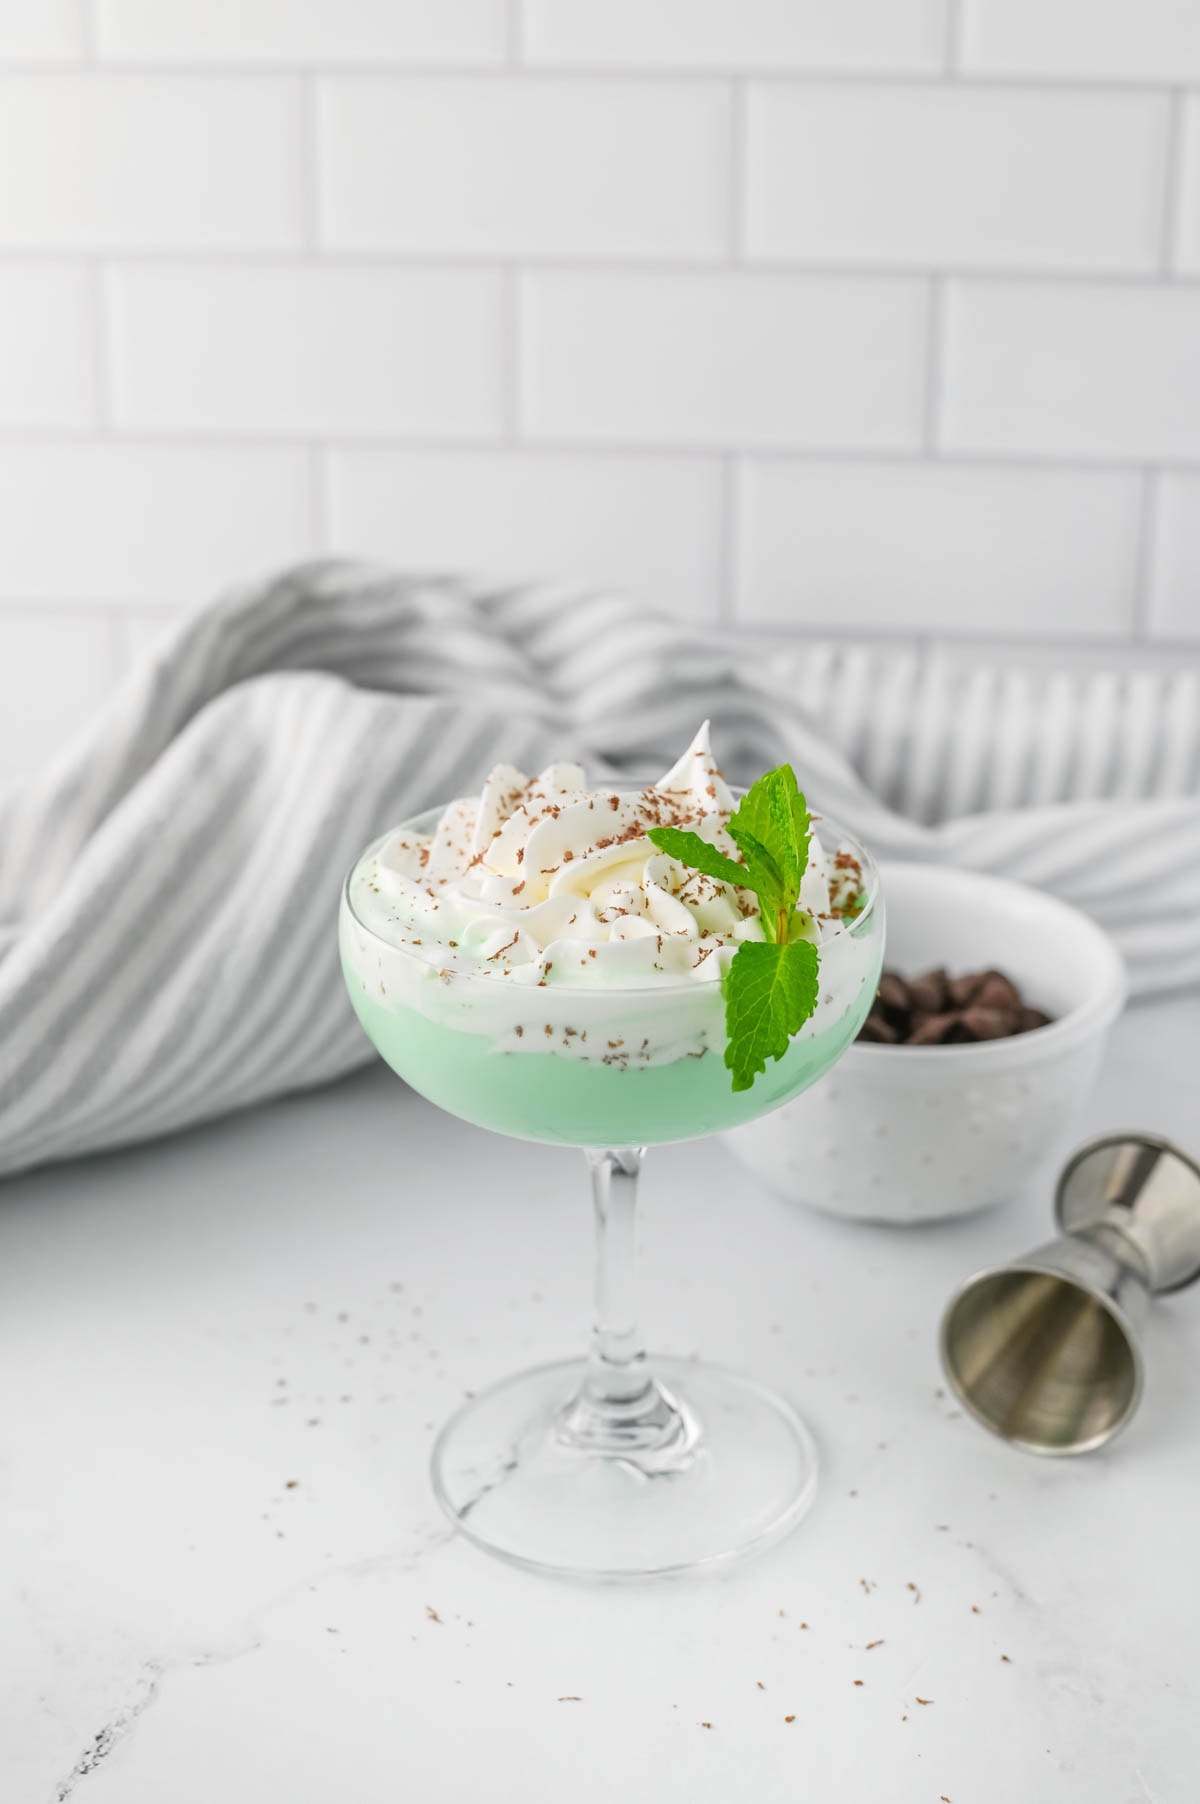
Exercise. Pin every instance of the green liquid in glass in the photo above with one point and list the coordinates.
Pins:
(575, 1102)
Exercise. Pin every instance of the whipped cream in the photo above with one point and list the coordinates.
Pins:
(544, 884)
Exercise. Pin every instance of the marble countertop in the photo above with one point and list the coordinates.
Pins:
(224, 1581)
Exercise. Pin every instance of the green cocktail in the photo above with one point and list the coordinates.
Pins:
(532, 965)
(546, 1095)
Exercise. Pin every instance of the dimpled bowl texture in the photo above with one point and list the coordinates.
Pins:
(914, 1133)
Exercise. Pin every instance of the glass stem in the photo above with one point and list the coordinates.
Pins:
(619, 1409)
(617, 1373)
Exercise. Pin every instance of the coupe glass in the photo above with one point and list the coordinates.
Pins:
(619, 1464)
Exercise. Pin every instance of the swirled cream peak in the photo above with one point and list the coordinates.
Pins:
(547, 881)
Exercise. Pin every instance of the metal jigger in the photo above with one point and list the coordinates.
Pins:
(1045, 1351)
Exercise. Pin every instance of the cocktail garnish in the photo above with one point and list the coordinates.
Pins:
(771, 984)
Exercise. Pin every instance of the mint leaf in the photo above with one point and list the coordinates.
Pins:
(770, 992)
(771, 984)
(773, 814)
(765, 878)
(690, 849)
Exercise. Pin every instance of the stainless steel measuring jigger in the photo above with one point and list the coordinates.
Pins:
(1045, 1351)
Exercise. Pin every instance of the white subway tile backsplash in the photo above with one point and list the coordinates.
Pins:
(41, 31)
(482, 167)
(878, 316)
(1081, 370)
(940, 550)
(306, 349)
(47, 376)
(148, 162)
(1175, 600)
(728, 359)
(1117, 40)
(302, 31)
(650, 526)
(159, 525)
(904, 35)
(1187, 247)
(56, 669)
(917, 175)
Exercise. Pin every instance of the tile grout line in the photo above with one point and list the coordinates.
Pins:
(1145, 560)
(637, 264)
(952, 41)
(510, 315)
(863, 456)
(1171, 219)
(100, 334)
(729, 567)
(90, 34)
(514, 35)
(308, 101)
(739, 169)
(498, 69)
(934, 349)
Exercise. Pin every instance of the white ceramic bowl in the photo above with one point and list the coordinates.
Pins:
(911, 1133)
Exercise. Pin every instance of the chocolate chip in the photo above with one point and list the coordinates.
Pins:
(893, 991)
(996, 991)
(930, 994)
(894, 1002)
(989, 1023)
(931, 1030)
(935, 1009)
(963, 989)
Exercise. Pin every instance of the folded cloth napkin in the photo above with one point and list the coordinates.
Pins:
(169, 887)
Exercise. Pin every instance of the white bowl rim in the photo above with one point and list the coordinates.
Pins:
(1092, 1016)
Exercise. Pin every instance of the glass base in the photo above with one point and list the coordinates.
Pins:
(732, 1470)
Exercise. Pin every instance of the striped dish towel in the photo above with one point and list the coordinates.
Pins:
(169, 887)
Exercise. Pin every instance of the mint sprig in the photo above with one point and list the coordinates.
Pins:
(770, 991)
(772, 829)
(690, 849)
(771, 985)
